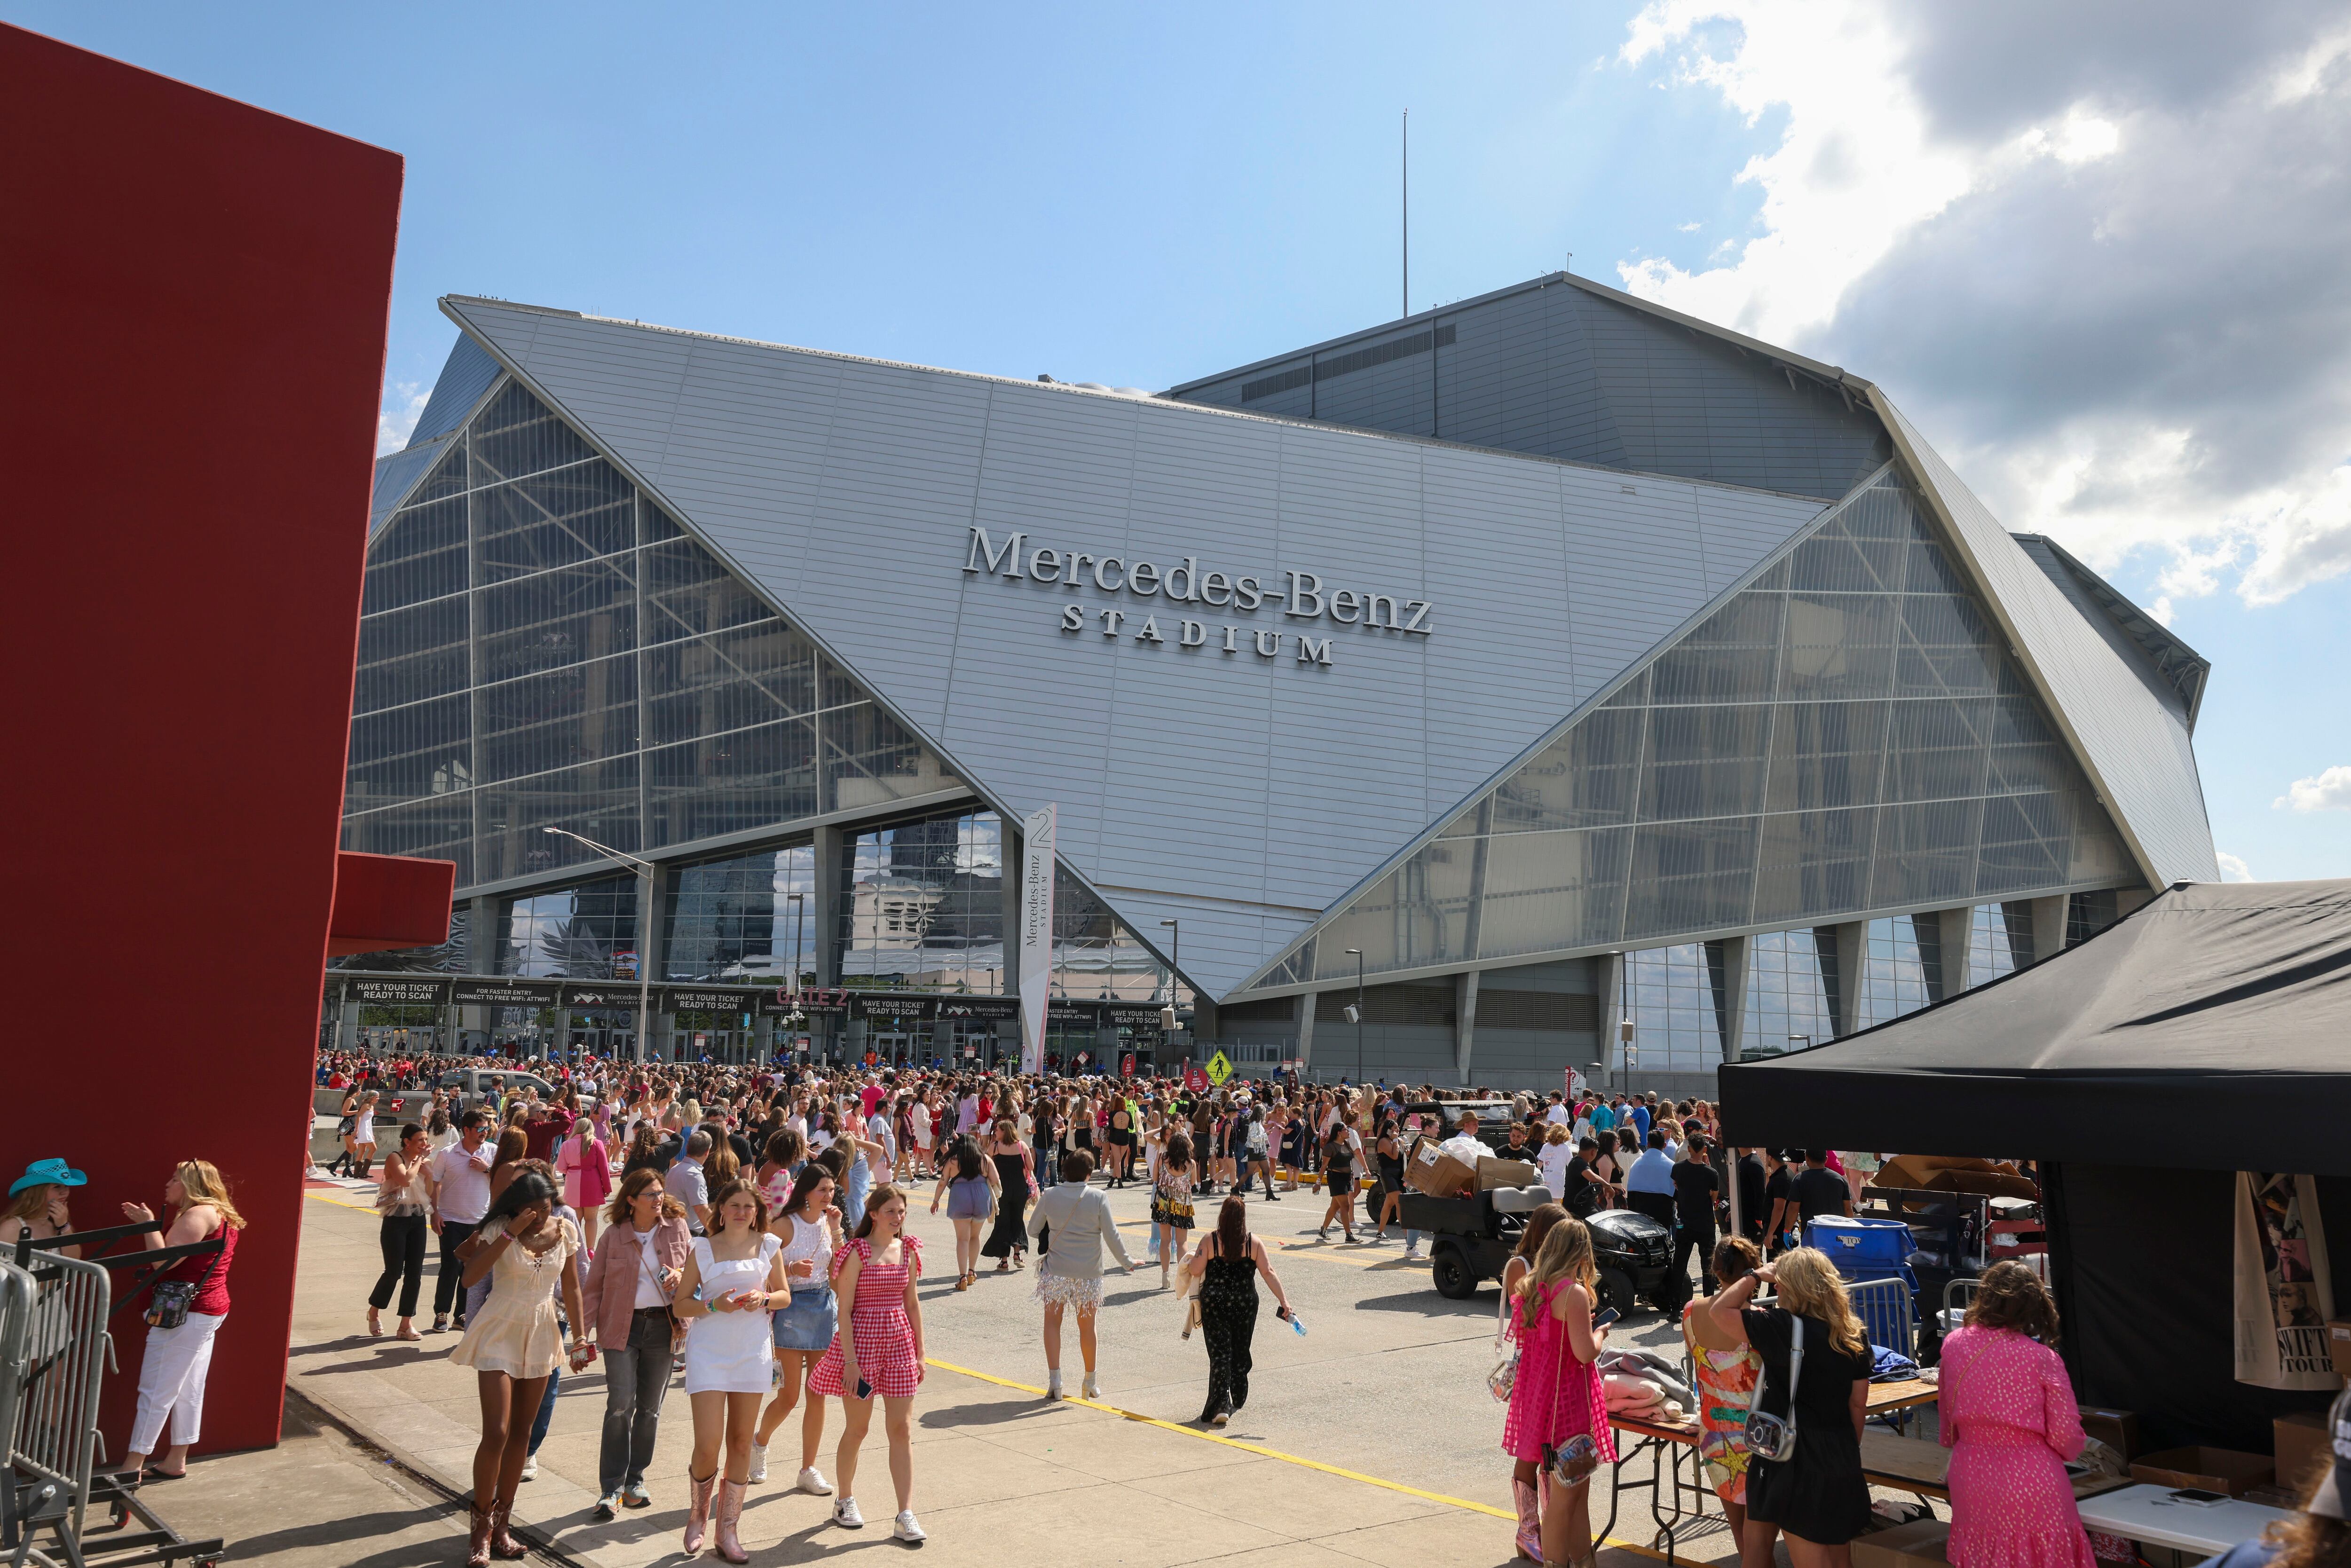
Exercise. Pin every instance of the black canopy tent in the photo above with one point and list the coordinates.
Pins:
(2207, 1032)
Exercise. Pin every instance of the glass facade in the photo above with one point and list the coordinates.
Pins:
(583, 932)
(1791, 986)
(1847, 734)
(747, 920)
(540, 645)
(1999, 940)
(1674, 997)
(1901, 968)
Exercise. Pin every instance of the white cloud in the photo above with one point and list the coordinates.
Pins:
(2327, 791)
(2231, 868)
(1689, 228)
(398, 416)
(2095, 253)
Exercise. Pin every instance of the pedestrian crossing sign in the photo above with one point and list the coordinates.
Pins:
(1220, 1068)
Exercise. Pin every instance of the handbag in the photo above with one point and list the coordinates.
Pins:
(169, 1303)
(1504, 1378)
(1768, 1437)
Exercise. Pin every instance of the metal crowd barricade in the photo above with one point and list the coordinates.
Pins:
(55, 1353)
(1887, 1312)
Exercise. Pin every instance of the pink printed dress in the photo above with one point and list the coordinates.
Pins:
(2008, 1417)
(886, 1340)
(1555, 1396)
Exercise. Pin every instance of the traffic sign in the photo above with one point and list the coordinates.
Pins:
(1219, 1069)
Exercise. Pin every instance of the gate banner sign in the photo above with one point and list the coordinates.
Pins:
(811, 999)
(1132, 1015)
(417, 993)
(1074, 1015)
(505, 993)
(890, 1007)
(980, 1010)
(700, 1000)
(624, 997)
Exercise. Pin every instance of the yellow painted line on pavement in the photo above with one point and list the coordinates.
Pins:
(340, 1202)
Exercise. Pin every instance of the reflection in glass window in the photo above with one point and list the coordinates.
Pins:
(1999, 940)
(1788, 984)
(584, 933)
(1893, 971)
(748, 921)
(1673, 995)
(923, 906)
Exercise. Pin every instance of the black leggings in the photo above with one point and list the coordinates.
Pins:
(403, 1261)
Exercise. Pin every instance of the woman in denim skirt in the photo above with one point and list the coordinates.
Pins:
(810, 1225)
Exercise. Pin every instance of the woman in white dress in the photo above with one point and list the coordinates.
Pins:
(734, 1279)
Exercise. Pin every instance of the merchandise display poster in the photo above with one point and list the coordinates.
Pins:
(1035, 934)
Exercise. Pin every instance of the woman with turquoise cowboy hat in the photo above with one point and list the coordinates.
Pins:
(36, 1204)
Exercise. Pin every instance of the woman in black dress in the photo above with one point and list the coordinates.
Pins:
(1816, 1497)
(1230, 1263)
(1008, 1243)
(1338, 1169)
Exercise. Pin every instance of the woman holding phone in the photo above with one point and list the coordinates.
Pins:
(1559, 1408)
(808, 1225)
(734, 1278)
(878, 1351)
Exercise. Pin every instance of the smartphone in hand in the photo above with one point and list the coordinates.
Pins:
(1605, 1316)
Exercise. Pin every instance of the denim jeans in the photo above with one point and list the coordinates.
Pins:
(636, 1376)
(547, 1400)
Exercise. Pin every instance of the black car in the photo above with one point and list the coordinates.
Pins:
(1472, 1238)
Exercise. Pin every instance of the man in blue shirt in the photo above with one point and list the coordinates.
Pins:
(1649, 1185)
(1640, 1118)
(1603, 1119)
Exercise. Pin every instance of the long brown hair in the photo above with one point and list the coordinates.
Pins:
(884, 1192)
(1539, 1224)
(718, 1206)
(2307, 1539)
(1232, 1228)
(2012, 1296)
(1565, 1254)
(617, 1212)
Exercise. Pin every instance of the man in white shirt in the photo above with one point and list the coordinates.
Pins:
(457, 1183)
(1465, 1144)
(1558, 1116)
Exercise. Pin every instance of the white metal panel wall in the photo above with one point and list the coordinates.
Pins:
(2135, 743)
(1240, 795)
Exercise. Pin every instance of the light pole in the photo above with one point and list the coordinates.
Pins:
(1357, 953)
(644, 928)
(1175, 962)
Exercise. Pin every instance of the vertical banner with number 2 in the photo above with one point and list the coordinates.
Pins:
(1036, 934)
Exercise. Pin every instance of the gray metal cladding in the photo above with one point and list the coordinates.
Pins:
(1236, 793)
(465, 375)
(1563, 368)
(2134, 741)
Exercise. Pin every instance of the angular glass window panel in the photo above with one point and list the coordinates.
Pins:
(696, 688)
(867, 759)
(438, 828)
(1825, 753)
(599, 801)
(2026, 844)
(431, 730)
(554, 519)
(420, 629)
(1548, 892)
(694, 594)
(1937, 750)
(1839, 645)
(2098, 848)
(1732, 657)
(1635, 693)
(1669, 994)
(1691, 876)
(1992, 946)
(2027, 757)
(1371, 923)
(1893, 978)
(836, 687)
(653, 525)
(516, 435)
(1884, 511)
(732, 783)
(1831, 561)
(1586, 777)
(584, 933)
(1814, 863)
(1932, 571)
(559, 719)
(1704, 762)
(419, 556)
(1945, 650)
(737, 921)
(410, 680)
(1788, 1006)
(1926, 854)
(556, 618)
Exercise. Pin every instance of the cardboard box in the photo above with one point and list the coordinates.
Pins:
(2302, 1447)
(1937, 1173)
(2338, 1344)
(1494, 1173)
(1921, 1545)
(2117, 1429)
(2207, 1469)
(1438, 1175)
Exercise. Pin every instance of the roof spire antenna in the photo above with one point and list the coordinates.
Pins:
(1407, 211)
(1570, 263)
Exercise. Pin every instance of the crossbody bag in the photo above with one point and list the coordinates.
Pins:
(168, 1304)
(1768, 1437)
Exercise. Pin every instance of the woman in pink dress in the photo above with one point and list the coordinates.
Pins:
(876, 1350)
(2008, 1417)
(1557, 1395)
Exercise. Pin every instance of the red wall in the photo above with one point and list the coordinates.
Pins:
(196, 294)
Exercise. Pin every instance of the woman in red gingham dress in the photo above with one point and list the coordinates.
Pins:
(1557, 1393)
(879, 1342)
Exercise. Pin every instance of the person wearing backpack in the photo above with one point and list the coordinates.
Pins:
(1813, 1399)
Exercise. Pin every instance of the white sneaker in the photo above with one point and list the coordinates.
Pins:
(1053, 1384)
(530, 1469)
(1091, 1389)
(1412, 1254)
(908, 1529)
(845, 1514)
(813, 1484)
(758, 1463)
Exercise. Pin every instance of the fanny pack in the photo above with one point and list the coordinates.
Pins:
(1768, 1437)
(168, 1305)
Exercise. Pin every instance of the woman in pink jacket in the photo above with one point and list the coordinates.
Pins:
(2008, 1417)
(585, 1163)
(626, 1303)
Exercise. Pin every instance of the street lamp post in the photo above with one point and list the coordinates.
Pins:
(1175, 963)
(1357, 953)
(644, 926)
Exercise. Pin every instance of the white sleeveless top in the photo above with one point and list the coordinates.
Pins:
(812, 1240)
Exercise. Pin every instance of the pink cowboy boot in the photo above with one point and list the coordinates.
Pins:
(1529, 1520)
(697, 1511)
(730, 1518)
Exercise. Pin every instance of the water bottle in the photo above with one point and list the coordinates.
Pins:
(1297, 1324)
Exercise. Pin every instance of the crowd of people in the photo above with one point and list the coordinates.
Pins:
(746, 1225)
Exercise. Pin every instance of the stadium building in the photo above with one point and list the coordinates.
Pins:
(1581, 681)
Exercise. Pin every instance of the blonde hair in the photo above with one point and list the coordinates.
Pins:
(1565, 1254)
(201, 1182)
(1558, 1135)
(1810, 1287)
(29, 1204)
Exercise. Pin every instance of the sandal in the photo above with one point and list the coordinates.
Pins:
(375, 1324)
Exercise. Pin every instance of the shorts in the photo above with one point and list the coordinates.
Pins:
(1063, 1291)
(810, 1322)
(967, 1200)
(1341, 1184)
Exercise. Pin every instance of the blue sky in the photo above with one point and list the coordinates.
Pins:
(1140, 196)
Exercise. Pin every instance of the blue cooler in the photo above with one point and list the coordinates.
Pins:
(1869, 1249)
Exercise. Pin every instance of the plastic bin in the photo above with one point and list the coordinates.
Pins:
(1863, 1249)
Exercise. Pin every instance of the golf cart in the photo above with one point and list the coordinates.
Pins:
(1472, 1237)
